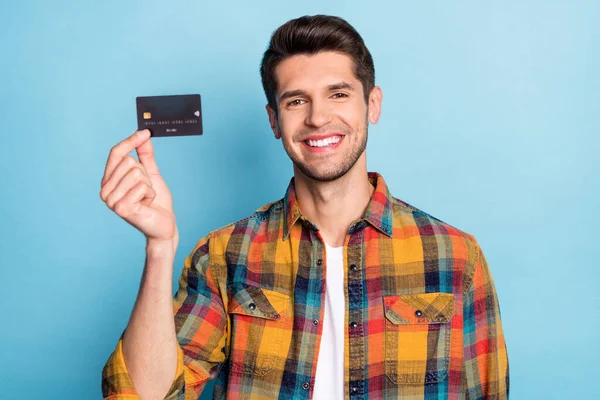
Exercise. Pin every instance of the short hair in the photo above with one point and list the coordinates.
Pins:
(311, 35)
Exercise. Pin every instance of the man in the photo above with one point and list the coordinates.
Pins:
(336, 291)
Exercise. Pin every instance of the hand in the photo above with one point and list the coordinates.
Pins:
(136, 192)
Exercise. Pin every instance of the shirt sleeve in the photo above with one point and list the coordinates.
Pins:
(485, 368)
(201, 324)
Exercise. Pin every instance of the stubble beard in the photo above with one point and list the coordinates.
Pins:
(333, 172)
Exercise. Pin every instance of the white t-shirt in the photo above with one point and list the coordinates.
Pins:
(329, 379)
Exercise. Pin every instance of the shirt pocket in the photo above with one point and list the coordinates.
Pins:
(257, 328)
(417, 337)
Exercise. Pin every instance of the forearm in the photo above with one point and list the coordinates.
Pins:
(149, 342)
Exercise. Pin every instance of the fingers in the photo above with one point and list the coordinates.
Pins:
(134, 200)
(122, 149)
(127, 174)
(145, 153)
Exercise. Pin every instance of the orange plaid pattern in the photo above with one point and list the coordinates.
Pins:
(423, 320)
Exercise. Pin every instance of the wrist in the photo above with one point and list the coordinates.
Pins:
(159, 248)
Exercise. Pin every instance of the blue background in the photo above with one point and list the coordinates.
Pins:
(490, 122)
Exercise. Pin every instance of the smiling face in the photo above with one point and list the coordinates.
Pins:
(322, 116)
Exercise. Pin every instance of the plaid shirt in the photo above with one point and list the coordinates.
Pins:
(422, 314)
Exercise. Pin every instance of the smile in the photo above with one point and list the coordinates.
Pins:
(330, 141)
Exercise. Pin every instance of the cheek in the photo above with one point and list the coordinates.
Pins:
(290, 124)
(293, 117)
(352, 113)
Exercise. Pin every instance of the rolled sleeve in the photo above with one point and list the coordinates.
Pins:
(117, 384)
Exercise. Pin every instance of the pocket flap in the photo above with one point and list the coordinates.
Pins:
(419, 308)
(257, 302)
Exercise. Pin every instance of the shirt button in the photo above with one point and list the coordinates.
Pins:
(354, 390)
(252, 306)
(353, 267)
(419, 313)
(319, 262)
(305, 386)
(315, 322)
(353, 325)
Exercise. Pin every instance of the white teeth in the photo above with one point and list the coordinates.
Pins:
(325, 142)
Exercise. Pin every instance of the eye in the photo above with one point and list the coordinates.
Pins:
(339, 95)
(295, 102)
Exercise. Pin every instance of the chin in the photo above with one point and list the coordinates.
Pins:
(323, 174)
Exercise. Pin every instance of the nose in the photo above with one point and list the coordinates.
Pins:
(318, 114)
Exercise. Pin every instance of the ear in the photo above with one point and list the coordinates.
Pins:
(375, 99)
(273, 121)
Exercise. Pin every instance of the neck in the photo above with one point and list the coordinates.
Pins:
(333, 206)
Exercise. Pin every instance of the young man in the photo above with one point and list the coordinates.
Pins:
(336, 291)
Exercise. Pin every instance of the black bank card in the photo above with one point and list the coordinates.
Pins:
(175, 115)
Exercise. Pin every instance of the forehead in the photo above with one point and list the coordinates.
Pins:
(307, 72)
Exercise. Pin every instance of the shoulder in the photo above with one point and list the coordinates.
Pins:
(425, 220)
(405, 213)
(269, 211)
(409, 220)
(217, 240)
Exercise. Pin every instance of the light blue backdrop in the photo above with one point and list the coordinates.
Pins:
(490, 122)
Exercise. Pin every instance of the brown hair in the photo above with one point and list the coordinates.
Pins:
(311, 35)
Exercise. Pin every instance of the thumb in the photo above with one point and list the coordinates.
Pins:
(145, 152)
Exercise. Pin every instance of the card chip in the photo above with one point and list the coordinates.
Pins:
(147, 115)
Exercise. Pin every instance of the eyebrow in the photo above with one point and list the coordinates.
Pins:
(299, 92)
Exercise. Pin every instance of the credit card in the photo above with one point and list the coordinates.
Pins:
(175, 115)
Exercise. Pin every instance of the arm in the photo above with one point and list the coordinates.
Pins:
(175, 351)
(485, 368)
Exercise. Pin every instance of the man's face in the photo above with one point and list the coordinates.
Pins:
(323, 118)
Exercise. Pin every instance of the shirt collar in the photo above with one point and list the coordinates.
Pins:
(378, 213)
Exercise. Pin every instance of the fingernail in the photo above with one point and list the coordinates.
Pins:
(143, 133)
